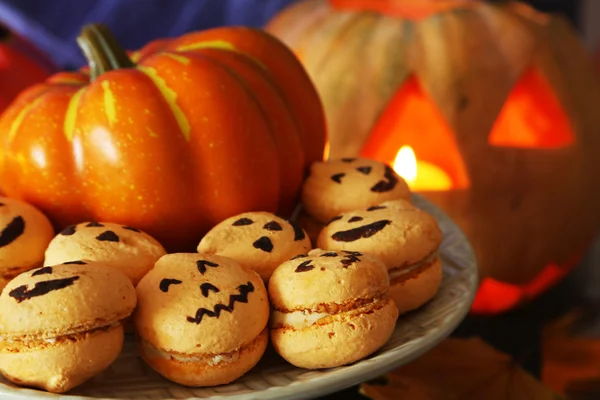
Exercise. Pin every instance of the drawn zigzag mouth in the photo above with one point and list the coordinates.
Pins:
(241, 297)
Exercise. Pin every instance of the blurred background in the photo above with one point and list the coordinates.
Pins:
(53, 25)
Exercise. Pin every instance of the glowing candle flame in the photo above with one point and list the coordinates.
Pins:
(420, 175)
(405, 164)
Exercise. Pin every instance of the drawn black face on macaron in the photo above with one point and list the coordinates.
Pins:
(44, 283)
(209, 284)
(371, 222)
(258, 232)
(373, 176)
(320, 260)
(105, 232)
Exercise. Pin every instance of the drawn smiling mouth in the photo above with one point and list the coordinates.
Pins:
(360, 232)
(23, 293)
(241, 297)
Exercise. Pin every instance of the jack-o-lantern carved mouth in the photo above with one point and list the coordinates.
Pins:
(241, 297)
(22, 293)
(360, 232)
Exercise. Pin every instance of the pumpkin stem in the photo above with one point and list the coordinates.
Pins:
(102, 51)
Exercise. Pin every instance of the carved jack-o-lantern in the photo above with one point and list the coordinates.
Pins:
(492, 111)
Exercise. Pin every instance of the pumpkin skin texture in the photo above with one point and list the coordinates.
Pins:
(21, 65)
(524, 208)
(197, 131)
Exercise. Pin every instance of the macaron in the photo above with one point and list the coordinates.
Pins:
(24, 235)
(330, 308)
(201, 319)
(61, 325)
(260, 241)
(126, 248)
(337, 186)
(404, 237)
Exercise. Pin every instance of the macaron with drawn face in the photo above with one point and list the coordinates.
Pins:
(126, 248)
(201, 319)
(330, 308)
(61, 325)
(337, 186)
(404, 237)
(24, 235)
(260, 241)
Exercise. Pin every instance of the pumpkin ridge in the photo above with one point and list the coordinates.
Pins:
(16, 123)
(170, 97)
(71, 114)
(290, 177)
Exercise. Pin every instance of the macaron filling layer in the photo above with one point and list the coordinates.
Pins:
(303, 318)
(211, 359)
(405, 271)
(9, 344)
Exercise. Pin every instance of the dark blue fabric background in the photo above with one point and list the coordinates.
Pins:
(53, 25)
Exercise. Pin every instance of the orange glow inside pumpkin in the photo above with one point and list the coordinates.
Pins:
(413, 136)
(412, 119)
(531, 117)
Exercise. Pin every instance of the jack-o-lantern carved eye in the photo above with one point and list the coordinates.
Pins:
(531, 117)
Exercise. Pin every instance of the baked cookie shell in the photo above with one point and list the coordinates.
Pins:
(203, 372)
(58, 367)
(345, 338)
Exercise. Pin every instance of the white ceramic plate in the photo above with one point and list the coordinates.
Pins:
(273, 378)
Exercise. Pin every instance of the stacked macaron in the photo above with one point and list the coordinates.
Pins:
(405, 238)
(330, 308)
(337, 186)
(60, 325)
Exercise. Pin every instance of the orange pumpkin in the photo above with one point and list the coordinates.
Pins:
(200, 128)
(499, 103)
